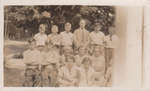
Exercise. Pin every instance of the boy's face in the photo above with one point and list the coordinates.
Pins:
(67, 27)
(42, 29)
(54, 29)
(82, 23)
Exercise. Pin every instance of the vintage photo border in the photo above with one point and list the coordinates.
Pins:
(53, 2)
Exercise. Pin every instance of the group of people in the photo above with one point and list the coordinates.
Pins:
(81, 58)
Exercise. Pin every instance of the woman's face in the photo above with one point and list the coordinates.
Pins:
(67, 27)
(42, 29)
(54, 29)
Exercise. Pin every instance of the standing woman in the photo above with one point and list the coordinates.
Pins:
(54, 39)
(97, 37)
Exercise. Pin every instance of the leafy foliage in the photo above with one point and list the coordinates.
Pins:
(29, 17)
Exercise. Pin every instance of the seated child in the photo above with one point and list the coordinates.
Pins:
(98, 63)
(82, 53)
(68, 74)
(86, 75)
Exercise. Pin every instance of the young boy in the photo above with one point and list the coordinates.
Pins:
(41, 37)
(68, 74)
(32, 58)
(98, 63)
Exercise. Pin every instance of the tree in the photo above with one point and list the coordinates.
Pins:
(29, 17)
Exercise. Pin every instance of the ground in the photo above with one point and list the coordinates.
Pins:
(13, 77)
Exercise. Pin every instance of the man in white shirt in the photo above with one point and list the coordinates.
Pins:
(66, 37)
(41, 37)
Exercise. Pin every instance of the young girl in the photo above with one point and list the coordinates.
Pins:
(54, 39)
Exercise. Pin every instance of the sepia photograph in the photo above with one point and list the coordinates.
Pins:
(72, 46)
